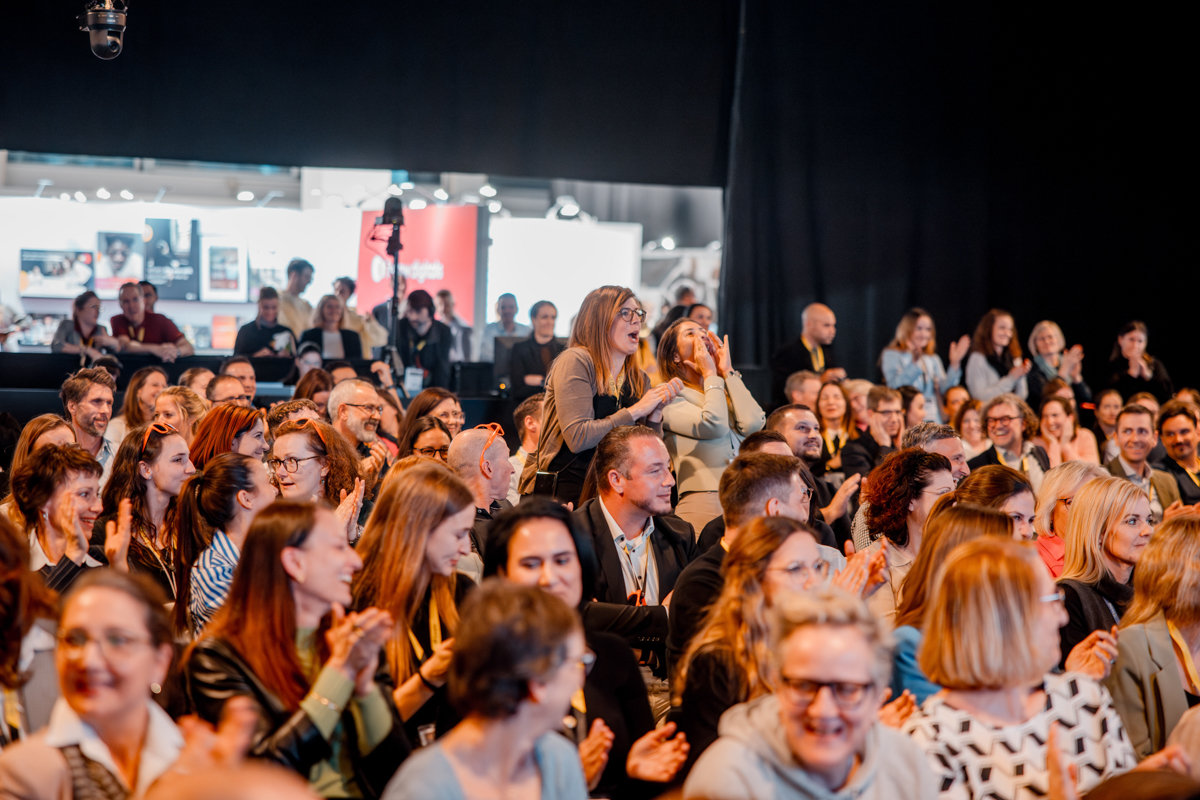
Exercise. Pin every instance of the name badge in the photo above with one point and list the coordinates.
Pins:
(414, 379)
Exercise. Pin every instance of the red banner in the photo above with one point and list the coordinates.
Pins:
(439, 253)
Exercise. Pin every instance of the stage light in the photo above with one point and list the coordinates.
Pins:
(103, 193)
(495, 206)
(416, 204)
(441, 194)
(126, 194)
(245, 196)
(65, 197)
(395, 191)
(487, 190)
(407, 185)
(81, 197)
(668, 243)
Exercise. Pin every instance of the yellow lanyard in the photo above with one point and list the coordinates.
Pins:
(1192, 475)
(1189, 665)
(435, 631)
(835, 442)
(1024, 464)
(578, 703)
(818, 356)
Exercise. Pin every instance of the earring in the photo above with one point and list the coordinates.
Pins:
(156, 688)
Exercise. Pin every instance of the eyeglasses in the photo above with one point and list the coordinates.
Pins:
(112, 644)
(289, 464)
(161, 428)
(378, 410)
(895, 412)
(496, 430)
(803, 692)
(236, 399)
(628, 314)
(587, 660)
(799, 573)
(993, 421)
(1058, 597)
(433, 452)
(805, 492)
(456, 416)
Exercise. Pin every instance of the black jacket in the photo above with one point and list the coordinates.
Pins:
(863, 454)
(526, 359)
(1158, 384)
(789, 358)
(215, 673)
(434, 357)
(989, 457)
(1088, 610)
(616, 693)
(714, 531)
(698, 586)
(1189, 492)
(351, 343)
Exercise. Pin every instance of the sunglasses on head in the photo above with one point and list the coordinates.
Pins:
(161, 428)
(312, 423)
(495, 430)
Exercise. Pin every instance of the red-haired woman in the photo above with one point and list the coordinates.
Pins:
(311, 462)
(229, 429)
(314, 672)
(594, 386)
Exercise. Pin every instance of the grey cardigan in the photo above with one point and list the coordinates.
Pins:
(1145, 685)
(567, 416)
(703, 431)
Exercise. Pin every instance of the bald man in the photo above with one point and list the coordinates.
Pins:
(809, 352)
(487, 475)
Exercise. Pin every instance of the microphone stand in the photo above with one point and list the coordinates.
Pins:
(393, 214)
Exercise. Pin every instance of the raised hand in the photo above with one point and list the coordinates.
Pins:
(724, 360)
(897, 712)
(66, 519)
(594, 750)
(656, 756)
(701, 360)
(348, 509)
(117, 535)
(841, 499)
(959, 350)
(1094, 656)
(206, 748)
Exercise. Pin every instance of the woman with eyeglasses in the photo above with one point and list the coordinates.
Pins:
(901, 491)
(538, 544)
(83, 333)
(412, 543)
(427, 437)
(1054, 500)
(521, 657)
(1007, 491)
(991, 634)
(912, 360)
(149, 470)
(594, 386)
(729, 659)
(215, 510)
(229, 429)
(145, 386)
(704, 426)
(314, 671)
(818, 735)
(310, 462)
(106, 736)
(41, 431)
(1107, 531)
(182, 409)
(441, 404)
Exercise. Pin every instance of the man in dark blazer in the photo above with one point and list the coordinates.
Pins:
(1177, 427)
(810, 351)
(424, 342)
(640, 546)
(1136, 437)
(863, 454)
(1010, 424)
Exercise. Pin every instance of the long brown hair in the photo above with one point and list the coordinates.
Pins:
(29, 435)
(259, 617)
(24, 599)
(394, 574)
(736, 629)
(981, 341)
(906, 326)
(131, 409)
(848, 422)
(125, 482)
(668, 349)
(597, 314)
(220, 427)
(314, 382)
(334, 452)
(948, 526)
(421, 406)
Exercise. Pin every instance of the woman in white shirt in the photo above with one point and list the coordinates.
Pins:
(706, 423)
(912, 360)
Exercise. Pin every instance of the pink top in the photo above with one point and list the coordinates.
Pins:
(1052, 549)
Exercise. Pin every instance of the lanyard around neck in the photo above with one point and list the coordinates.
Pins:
(1024, 461)
(435, 631)
(1189, 663)
(639, 596)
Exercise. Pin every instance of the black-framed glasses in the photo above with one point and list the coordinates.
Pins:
(799, 573)
(433, 452)
(991, 421)
(289, 464)
(628, 314)
(378, 410)
(1066, 501)
(847, 695)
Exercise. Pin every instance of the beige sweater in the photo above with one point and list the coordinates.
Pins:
(703, 431)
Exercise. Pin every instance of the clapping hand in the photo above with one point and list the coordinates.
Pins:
(1020, 369)
(348, 509)
(594, 750)
(117, 536)
(865, 572)
(656, 756)
(354, 641)
(959, 350)
(206, 749)
(66, 519)
(897, 712)
(370, 466)
(1094, 656)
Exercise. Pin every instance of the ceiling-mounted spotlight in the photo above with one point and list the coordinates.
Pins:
(441, 194)
(395, 191)
(245, 195)
(81, 197)
(667, 243)
(65, 197)
(103, 193)
(495, 206)
(416, 204)
(104, 21)
(487, 190)
(126, 194)
(567, 207)
(406, 185)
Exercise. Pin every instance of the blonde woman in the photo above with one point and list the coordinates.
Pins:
(327, 332)
(704, 426)
(1054, 500)
(912, 360)
(182, 409)
(1107, 531)
(1061, 437)
(594, 386)
(836, 417)
(417, 533)
(1155, 680)
(1053, 359)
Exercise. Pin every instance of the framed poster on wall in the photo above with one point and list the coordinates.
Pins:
(172, 258)
(56, 273)
(118, 261)
(223, 273)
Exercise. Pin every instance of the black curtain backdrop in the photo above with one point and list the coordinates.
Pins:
(958, 157)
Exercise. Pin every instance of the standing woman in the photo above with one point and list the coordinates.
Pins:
(1133, 370)
(417, 533)
(182, 409)
(316, 386)
(215, 510)
(1054, 500)
(312, 670)
(994, 366)
(229, 429)
(145, 386)
(704, 426)
(531, 359)
(968, 422)
(593, 387)
(41, 431)
(1060, 435)
(1052, 359)
(83, 333)
(1107, 531)
(912, 360)
(310, 462)
(308, 358)
(836, 418)
(149, 470)
(335, 341)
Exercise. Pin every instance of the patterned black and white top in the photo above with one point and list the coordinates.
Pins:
(975, 761)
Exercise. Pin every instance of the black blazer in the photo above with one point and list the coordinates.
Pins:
(863, 454)
(1158, 384)
(215, 672)
(789, 358)
(989, 457)
(698, 587)
(526, 359)
(434, 356)
(351, 343)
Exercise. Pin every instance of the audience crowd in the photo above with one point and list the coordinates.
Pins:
(976, 579)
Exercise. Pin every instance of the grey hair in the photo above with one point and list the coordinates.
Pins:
(833, 606)
(340, 394)
(926, 433)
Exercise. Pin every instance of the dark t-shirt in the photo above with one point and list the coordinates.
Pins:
(253, 337)
(155, 329)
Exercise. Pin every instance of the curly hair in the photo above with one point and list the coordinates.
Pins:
(34, 430)
(894, 485)
(333, 451)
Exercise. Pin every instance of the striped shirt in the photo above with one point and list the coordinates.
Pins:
(211, 578)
